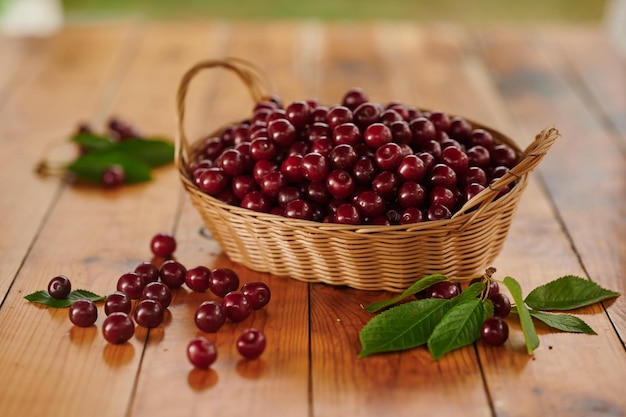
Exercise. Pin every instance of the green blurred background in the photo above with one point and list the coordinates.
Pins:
(468, 11)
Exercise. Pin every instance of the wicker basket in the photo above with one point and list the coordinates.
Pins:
(364, 257)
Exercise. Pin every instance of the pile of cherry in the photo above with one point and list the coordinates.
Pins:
(149, 288)
(357, 162)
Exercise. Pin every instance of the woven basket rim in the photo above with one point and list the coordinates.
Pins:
(454, 223)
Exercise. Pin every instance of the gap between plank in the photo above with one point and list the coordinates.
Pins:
(129, 48)
(310, 354)
(221, 47)
(484, 379)
(53, 202)
(575, 81)
(541, 182)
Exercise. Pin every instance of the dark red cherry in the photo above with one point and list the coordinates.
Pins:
(366, 114)
(494, 331)
(209, 316)
(157, 291)
(353, 98)
(443, 289)
(314, 167)
(346, 133)
(258, 294)
(340, 184)
(251, 343)
(222, 281)
(376, 135)
(59, 287)
(411, 168)
(197, 279)
(201, 352)
(338, 115)
(163, 245)
(236, 306)
(347, 214)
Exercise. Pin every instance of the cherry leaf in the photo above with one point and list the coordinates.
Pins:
(567, 293)
(91, 143)
(154, 152)
(402, 327)
(416, 287)
(488, 306)
(564, 322)
(526, 321)
(459, 327)
(43, 297)
(473, 291)
(91, 166)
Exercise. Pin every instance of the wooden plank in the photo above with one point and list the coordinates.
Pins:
(520, 385)
(530, 79)
(90, 235)
(20, 58)
(280, 377)
(402, 382)
(521, 256)
(47, 101)
(438, 71)
(540, 94)
(250, 41)
(600, 69)
(343, 65)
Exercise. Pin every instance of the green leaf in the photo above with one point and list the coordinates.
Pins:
(91, 166)
(416, 287)
(92, 143)
(459, 327)
(43, 297)
(567, 293)
(488, 306)
(402, 327)
(528, 327)
(154, 152)
(473, 291)
(563, 322)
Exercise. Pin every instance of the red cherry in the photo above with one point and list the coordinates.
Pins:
(376, 135)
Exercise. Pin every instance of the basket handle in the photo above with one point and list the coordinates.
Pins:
(529, 159)
(249, 74)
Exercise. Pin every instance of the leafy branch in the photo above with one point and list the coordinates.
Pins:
(121, 147)
(444, 325)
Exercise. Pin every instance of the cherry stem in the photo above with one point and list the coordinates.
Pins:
(486, 276)
(47, 167)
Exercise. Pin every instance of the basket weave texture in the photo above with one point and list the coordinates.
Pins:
(364, 257)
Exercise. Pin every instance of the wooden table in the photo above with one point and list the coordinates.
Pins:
(517, 79)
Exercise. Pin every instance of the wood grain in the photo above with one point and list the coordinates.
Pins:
(80, 237)
(32, 120)
(404, 382)
(536, 95)
(578, 189)
(342, 383)
(599, 68)
(233, 385)
(436, 69)
(20, 58)
(467, 74)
